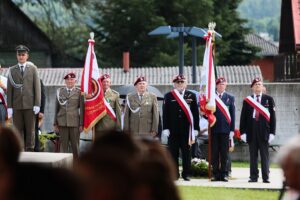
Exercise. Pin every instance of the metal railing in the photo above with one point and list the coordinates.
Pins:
(287, 67)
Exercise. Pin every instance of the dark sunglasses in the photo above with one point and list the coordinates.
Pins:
(179, 81)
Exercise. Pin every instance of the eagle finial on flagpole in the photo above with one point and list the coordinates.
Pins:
(92, 35)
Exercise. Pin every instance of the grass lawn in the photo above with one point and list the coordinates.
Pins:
(210, 193)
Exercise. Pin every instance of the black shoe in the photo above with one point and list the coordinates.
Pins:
(225, 179)
(252, 181)
(266, 181)
(186, 178)
(214, 179)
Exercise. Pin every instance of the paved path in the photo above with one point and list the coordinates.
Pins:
(239, 179)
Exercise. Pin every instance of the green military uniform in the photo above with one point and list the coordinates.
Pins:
(107, 123)
(141, 114)
(68, 117)
(23, 93)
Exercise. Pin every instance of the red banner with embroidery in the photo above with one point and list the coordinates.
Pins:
(91, 86)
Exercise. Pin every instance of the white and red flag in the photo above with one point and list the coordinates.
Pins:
(92, 88)
(208, 101)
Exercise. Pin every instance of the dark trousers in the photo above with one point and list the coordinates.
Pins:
(2, 114)
(181, 143)
(256, 145)
(37, 139)
(220, 145)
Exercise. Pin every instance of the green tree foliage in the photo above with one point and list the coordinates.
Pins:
(62, 23)
(232, 48)
(123, 25)
(263, 16)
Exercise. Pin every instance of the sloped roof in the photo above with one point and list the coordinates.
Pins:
(154, 76)
(268, 48)
(296, 22)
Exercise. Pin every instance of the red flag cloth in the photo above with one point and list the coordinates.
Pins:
(91, 85)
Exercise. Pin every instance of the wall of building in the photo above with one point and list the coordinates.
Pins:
(286, 96)
(267, 68)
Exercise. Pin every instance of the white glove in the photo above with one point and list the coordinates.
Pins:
(166, 133)
(231, 134)
(36, 109)
(196, 133)
(164, 136)
(9, 112)
(231, 142)
(244, 137)
(271, 137)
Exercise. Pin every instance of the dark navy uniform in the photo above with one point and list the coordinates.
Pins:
(175, 120)
(220, 137)
(257, 132)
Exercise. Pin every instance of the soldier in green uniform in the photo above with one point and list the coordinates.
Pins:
(112, 120)
(141, 111)
(68, 118)
(24, 96)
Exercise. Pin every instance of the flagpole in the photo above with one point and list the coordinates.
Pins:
(209, 152)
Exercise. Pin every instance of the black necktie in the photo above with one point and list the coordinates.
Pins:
(22, 70)
(220, 96)
(69, 91)
(141, 97)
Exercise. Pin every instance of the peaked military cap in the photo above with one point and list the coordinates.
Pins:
(22, 48)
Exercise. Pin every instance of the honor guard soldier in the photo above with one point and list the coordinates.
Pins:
(24, 96)
(112, 120)
(257, 127)
(181, 123)
(222, 130)
(141, 111)
(68, 118)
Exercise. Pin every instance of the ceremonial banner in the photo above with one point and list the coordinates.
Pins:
(92, 88)
(207, 101)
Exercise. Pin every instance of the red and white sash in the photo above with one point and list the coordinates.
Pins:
(110, 111)
(185, 107)
(223, 108)
(258, 107)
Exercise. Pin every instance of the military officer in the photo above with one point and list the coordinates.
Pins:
(141, 111)
(112, 120)
(68, 118)
(257, 127)
(180, 122)
(24, 96)
(222, 130)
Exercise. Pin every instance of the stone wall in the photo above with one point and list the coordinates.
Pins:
(286, 96)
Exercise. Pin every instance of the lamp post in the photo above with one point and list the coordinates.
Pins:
(181, 31)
